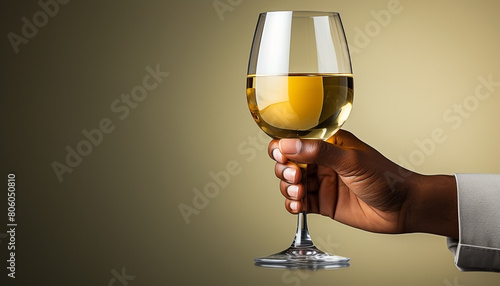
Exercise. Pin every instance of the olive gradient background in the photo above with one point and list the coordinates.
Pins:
(118, 210)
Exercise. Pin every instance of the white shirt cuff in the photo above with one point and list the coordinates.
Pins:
(478, 247)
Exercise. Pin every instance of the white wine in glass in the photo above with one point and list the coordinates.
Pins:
(308, 106)
(300, 85)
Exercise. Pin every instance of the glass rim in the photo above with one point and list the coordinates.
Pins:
(304, 12)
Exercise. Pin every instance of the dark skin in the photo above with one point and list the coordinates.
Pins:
(353, 183)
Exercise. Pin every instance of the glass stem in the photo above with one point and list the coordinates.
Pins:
(302, 237)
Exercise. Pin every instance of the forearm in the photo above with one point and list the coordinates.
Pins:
(432, 206)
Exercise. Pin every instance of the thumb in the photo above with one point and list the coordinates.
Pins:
(336, 152)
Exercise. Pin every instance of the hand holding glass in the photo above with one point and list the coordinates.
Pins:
(300, 85)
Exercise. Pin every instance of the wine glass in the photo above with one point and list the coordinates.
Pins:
(300, 85)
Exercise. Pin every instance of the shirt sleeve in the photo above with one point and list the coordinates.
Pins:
(478, 246)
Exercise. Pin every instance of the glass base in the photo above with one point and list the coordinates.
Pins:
(303, 258)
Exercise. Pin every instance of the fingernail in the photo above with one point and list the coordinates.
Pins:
(293, 191)
(277, 155)
(289, 174)
(293, 206)
(290, 146)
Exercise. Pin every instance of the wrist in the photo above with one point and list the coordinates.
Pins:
(432, 206)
